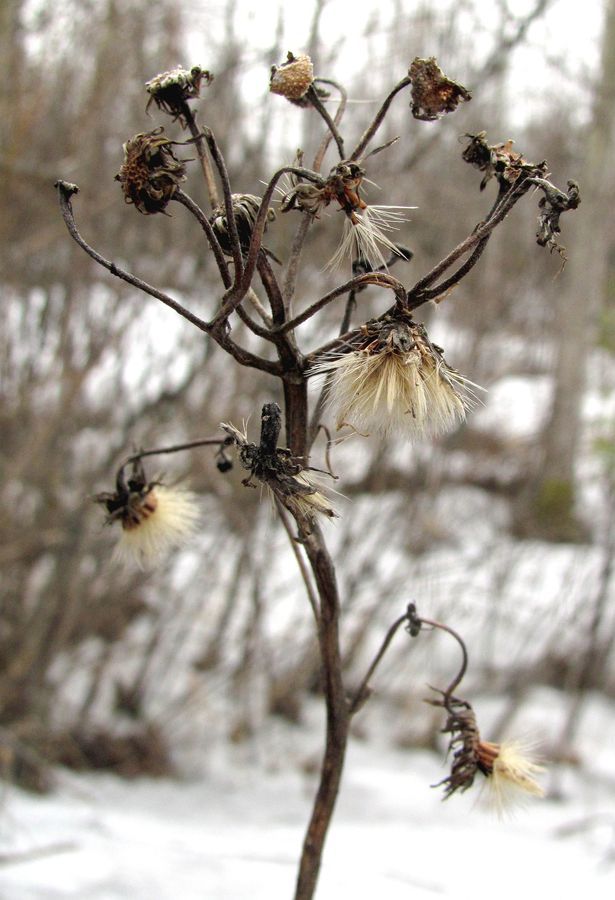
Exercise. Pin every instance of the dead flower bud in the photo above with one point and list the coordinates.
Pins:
(552, 204)
(171, 90)
(496, 160)
(433, 94)
(296, 487)
(293, 78)
(155, 518)
(245, 208)
(151, 172)
(509, 771)
(396, 380)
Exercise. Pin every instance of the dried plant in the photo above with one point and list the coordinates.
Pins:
(381, 375)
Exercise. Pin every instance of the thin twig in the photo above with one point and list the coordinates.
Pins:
(312, 96)
(65, 192)
(208, 174)
(379, 118)
(212, 239)
(303, 568)
(216, 155)
(339, 115)
(379, 279)
(363, 690)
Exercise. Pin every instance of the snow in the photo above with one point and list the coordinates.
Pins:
(235, 831)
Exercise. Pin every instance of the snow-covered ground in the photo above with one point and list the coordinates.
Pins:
(235, 832)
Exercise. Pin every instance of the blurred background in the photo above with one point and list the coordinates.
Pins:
(504, 530)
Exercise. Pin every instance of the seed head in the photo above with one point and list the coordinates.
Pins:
(151, 172)
(508, 768)
(245, 208)
(154, 518)
(396, 380)
(510, 772)
(293, 78)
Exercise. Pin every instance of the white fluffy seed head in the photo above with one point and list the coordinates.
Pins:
(389, 390)
(163, 520)
(512, 779)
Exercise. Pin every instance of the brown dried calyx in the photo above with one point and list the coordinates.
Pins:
(293, 78)
(497, 160)
(151, 173)
(170, 90)
(433, 94)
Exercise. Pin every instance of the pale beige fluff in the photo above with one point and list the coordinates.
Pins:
(411, 393)
(364, 236)
(173, 520)
(513, 778)
(310, 504)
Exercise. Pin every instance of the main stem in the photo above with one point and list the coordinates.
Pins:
(338, 717)
(328, 615)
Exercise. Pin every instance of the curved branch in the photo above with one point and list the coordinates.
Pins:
(316, 103)
(363, 691)
(378, 278)
(418, 294)
(210, 181)
(377, 122)
(339, 115)
(65, 192)
(218, 159)
(203, 221)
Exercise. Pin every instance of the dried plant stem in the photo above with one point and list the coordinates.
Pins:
(380, 279)
(208, 172)
(378, 120)
(312, 96)
(419, 294)
(338, 717)
(303, 568)
(363, 690)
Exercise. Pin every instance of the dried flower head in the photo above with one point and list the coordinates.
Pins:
(151, 172)
(496, 160)
(296, 487)
(433, 94)
(509, 770)
(396, 380)
(245, 209)
(171, 90)
(293, 78)
(364, 226)
(155, 518)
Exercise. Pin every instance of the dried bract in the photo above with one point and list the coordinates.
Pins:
(395, 381)
(293, 485)
(509, 770)
(552, 204)
(433, 94)
(245, 209)
(151, 172)
(171, 90)
(155, 518)
(496, 160)
(293, 78)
